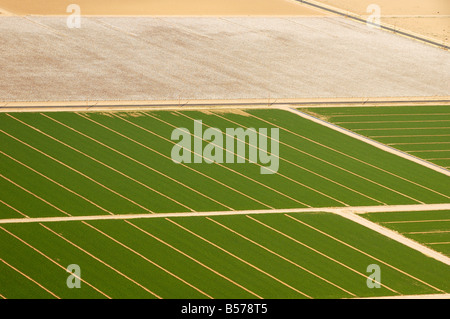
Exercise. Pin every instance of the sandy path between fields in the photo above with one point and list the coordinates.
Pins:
(430, 18)
(394, 235)
(350, 213)
(194, 58)
(354, 210)
(161, 7)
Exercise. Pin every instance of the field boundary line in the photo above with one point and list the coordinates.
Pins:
(31, 279)
(318, 251)
(185, 104)
(53, 261)
(91, 158)
(240, 259)
(5, 13)
(281, 256)
(137, 162)
(354, 209)
(364, 253)
(54, 182)
(101, 261)
(315, 157)
(389, 114)
(369, 141)
(429, 151)
(413, 16)
(382, 25)
(400, 128)
(346, 212)
(147, 260)
(35, 195)
(417, 143)
(376, 122)
(223, 166)
(353, 158)
(167, 157)
(91, 255)
(395, 236)
(193, 259)
(427, 232)
(260, 165)
(415, 221)
(14, 209)
(297, 165)
(76, 171)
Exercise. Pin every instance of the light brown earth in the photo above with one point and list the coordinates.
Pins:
(161, 7)
(430, 18)
(192, 58)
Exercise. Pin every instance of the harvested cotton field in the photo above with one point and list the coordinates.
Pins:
(212, 58)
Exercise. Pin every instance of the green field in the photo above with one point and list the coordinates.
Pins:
(265, 256)
(422, 131)
(429, 228)
(89, 164)
(104, 164)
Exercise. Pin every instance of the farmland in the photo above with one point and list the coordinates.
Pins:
(117, 163)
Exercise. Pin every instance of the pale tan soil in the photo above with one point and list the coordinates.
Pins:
(160, 7)
(436, 28)
(393, 7)
(434, 21)
(192, 58)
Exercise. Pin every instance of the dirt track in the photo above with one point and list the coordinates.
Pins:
(350, 213)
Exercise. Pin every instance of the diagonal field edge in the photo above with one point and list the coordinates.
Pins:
(194, 104)
(351, 209)
(395, 236)
(350, 213)
(369, 141)
(384, 26)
